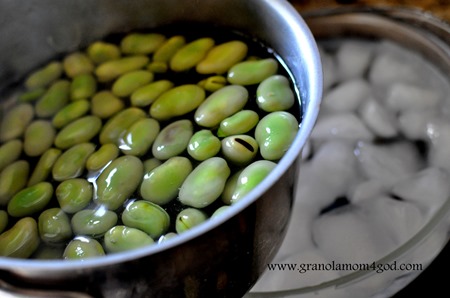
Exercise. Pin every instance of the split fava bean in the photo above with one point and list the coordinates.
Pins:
(102, 157)
(113, 69)
(222, 57)
(13, 179)
(191, 54)
(71, 163)
(203, 145)
(21, 240)
(213, 83)
(147, 217)
(275, 133)
(15, 121)
(83, 247)
(139, 137)
(116, 126)
(275, 94)
(77, 64)
(44, 166)
(239, 149)
(173, 139)
(71, 112)
(74, 194)
(189, 218)
(220, 105)
(10, 152)
(141, 43)
(83, 86)
(123, 238)
(147, 94)
(93, 222)
(161, 185)
(104, 104)
(44, 76)
(239, 123)
(252, 72)
(177, 101)
(118, 181)
(100, 52)
(205, 183)
(38, 137)
(79, 131)
(30, 200)
(56, 97)
(127, 83)
(54, 226)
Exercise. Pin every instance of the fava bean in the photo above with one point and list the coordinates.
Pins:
(3, 220)
(122, 238)
(147, 217)
(70, 113)
(220, 211)
(38, 137)
(151, 163)
(189, 218)
(166, 51)
(30, 200)
(157, 67)
(177, 101)
(113, 69)
(129, 82)
(118, 181)
(239, 149)
(275, 133)
(213, 83)
(147, 94)
(100, 52)
(44, 76)
(222, 57)
(166, 237)
(32, 95)
(141, 43)
(83, 247)
(139, 137)
(49, 252)
(44, 166)
(203, 145)
(21, 240)
(252, 72)
(77, 64)
(220, 105)
(83, 86)
(173, 139)
(15, 121)
(93, 222)
(79, 131)
(239, 123)
(10, 152)
(54, 226)
(229, 188)
(161, 185)
(74, 194)
(205, 183)
(102, 157)
(104, 104)
(191, 54)
(117, 126)
(56, 97)
(12, 179)
(72, 162)
(275, 94)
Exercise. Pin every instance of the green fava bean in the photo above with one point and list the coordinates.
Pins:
(151, 163)
(213, 83)
(113, 69)
(173, 139)
(70, 113)
(54, 226)
(131, 81)
(49, 252)
(44, 166)
(104, 104)
(189, 218)
(100, 52)
(191, 54)
(56, 97)
(83, 86)
(122, 238)
(15, 121)
(252, 72)
(220, 105)
(147, 217)
(177, 101)
(157, 67)
(3, 220)
(140, 137)
(239, 149)
(205, 183)
(38, 138)
(44, 76)
(10, 152)
(275, 133)
(77, 64)
(79, 131)
(239, 123)
(30, 200)
(118, 125)
(166, 51)
(230, 186)
(161, 185)
(147, 94)
(222, 57)
(102, 157)
(166, 237)
(275, 94)
(220, 211)
(118, 181)
(74, 195)
(250, 177)
(93, 222)
(83, 247)
(32, 95)
(203, 145)
(141, 43)
(21, 241)
(12, 179)
(72, 162)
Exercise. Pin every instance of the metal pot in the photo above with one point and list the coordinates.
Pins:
(222, 258)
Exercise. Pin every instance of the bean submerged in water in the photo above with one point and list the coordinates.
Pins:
(15, 121)
(74, 195)
(21, 240)
(54, 226)
(12, 179)
(123, 238)
(83, 247)
(189, 218)
(30, 200)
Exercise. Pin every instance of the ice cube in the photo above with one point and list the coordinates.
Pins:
(346, 96)
(346, 126)
(413, 124)
(353, 58)
(366, 190)
(402, 97)
(439, 133)
(379, 119)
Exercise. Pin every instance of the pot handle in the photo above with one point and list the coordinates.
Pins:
(9, 291)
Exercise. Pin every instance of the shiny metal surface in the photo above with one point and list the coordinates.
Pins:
(224, 257)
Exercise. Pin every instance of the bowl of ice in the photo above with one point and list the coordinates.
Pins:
(372, 205)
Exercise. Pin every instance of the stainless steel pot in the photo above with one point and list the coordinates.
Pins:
(222, 258)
